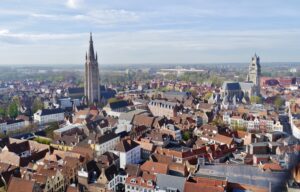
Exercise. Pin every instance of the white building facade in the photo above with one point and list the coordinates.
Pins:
(48, 115)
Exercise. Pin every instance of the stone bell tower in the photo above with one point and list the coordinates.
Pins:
(254, 73)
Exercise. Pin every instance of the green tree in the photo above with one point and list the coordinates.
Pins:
(43, 140)
(215, 80)
(207, 95)
(278, 102)
(16, 99)
(218, 121)
(186, 135)
(37, 104)
(12, 110)
(2, 112)
(256, 100)
(112, 100)
(51, 127)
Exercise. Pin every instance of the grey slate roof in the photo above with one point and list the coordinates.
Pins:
(246, 174)
(51, 111)
(76, 90)
(129, 115)
(165, 182)
(118, 104)
(106, 137)
(163, 103)
(233, 86)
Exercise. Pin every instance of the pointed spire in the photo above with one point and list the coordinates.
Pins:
(91, 54)
(86, 56)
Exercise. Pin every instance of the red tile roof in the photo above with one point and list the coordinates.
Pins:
(154, 167)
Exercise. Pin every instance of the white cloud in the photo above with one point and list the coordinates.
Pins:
(111, 16)
(155, 46)
(74, 4)
(103, 17)
(4, 31)
(25, 38)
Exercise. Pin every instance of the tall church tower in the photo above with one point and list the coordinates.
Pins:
(255, 73)
(91, 84)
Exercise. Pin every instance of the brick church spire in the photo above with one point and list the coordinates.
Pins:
(91, 84)
(91, 53)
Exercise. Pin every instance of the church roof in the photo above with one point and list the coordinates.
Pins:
(231, 86)
(75, 90)
(118, 104)
(91, 54)
(246, 85)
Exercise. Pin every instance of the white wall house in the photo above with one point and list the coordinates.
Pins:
(12, 125)
(129, 152)
(49, 115)
(106, 142)
(295, 126)
(295, 123)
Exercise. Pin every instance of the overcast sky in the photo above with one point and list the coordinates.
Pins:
(149, 31)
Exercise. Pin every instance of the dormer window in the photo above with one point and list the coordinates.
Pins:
(149, 183)
(133, 181)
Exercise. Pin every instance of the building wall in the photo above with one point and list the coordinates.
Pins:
(130, 157)
(295, 130)
(12, 127)
(49, 118)
(109, 145)
(137, 188)
(162, 111)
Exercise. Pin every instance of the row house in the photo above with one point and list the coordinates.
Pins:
(101, 179)
(49, 178)
(211, 153)
(145, 183)
(253, 122)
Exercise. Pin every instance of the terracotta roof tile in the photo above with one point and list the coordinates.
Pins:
(20, 185)
(154, 167)
(126, 145)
